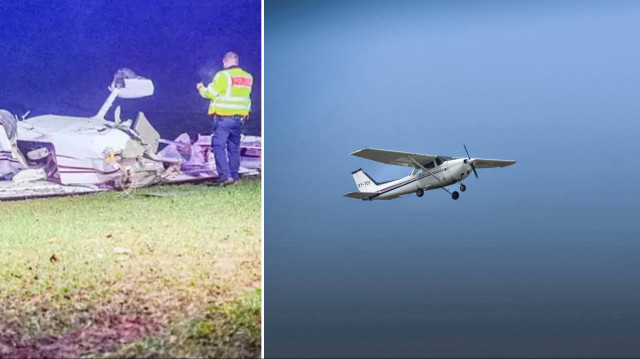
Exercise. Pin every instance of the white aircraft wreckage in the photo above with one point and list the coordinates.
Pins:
(430, 172)
(53, 155)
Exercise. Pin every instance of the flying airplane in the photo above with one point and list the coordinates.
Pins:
(430, 172)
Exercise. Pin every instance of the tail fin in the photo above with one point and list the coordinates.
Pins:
(363, 181)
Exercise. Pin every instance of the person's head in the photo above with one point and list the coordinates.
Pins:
(230, 59)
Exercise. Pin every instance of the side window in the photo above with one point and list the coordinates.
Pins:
(438, 161)
(429, 165)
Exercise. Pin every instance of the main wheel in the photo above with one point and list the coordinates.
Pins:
(455, 195)
(462, 187)
(419, 192)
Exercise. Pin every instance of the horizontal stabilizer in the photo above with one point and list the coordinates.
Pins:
(360, 195)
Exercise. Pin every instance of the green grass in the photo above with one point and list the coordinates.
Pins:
(139, 275)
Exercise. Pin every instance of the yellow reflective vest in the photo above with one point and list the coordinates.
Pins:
(229, 92)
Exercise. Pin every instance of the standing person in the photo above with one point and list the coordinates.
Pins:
(230, 95)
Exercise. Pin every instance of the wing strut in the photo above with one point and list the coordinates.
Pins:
(429, 172)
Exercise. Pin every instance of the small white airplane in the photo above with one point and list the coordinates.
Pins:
(430, 172)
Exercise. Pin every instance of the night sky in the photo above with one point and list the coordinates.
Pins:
(535, 259)
(59, 56)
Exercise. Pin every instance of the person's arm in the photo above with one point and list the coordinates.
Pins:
(215, 88)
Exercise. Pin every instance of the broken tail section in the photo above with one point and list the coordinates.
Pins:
(125, 84)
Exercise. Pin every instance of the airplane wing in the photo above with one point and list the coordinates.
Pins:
(484, 163)
(360, 195)
(393, 157)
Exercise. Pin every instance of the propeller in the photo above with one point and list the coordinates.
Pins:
(471, 163)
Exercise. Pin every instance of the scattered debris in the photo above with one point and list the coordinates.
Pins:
(56, 155)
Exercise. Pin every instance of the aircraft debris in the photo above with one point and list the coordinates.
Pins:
(52, 155)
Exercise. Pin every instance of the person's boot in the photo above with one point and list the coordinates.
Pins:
(229, 181)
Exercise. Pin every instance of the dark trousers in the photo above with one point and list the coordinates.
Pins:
(225, 145)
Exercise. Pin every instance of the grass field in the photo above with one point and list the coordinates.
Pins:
(170, 271)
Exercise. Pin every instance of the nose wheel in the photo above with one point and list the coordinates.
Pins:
(462, 187)
(455, 195)
(420, 192)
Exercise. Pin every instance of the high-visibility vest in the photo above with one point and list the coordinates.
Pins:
(229, 92)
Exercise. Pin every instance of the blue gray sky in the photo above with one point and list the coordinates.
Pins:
(59, 56)
(536, 259)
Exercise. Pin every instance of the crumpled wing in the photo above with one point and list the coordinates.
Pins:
(394, 157)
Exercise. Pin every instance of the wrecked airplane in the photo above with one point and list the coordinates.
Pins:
(56, 155)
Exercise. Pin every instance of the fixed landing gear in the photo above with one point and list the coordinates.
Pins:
(455, 195)
(462, 187)
(420, 192)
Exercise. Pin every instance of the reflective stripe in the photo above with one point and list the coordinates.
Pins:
(235, 98)
(226, 73)
(232, 106)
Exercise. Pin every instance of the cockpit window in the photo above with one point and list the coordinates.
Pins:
(429, 165)
(443, 159)
(417, 172)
